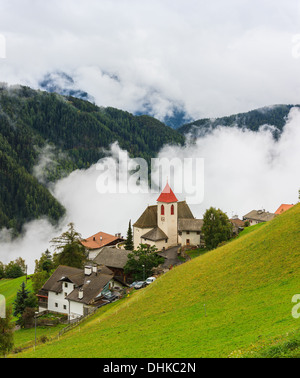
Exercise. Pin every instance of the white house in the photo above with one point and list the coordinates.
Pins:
(167, 224)
(73, 291)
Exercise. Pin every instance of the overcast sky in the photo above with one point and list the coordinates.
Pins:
(212, 58)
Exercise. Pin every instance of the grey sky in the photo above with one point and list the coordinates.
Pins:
(213, 58)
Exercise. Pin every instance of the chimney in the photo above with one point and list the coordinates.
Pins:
(87, 270)
(95, 269)
(80, 294)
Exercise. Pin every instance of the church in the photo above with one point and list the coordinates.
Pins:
(167, 224)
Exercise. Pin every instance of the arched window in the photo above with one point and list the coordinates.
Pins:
(172, 210)
(162, 210)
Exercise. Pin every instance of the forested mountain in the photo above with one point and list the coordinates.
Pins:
(77, 130)
(253, 120)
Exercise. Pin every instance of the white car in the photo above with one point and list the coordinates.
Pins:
(149, 280)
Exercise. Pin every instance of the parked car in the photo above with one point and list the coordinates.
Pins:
(109, 296)
(140, 284)
(149, 280)
(133, 284)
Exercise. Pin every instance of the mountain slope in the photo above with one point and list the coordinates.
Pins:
(77, 131)
(253, 120)
(213, 306)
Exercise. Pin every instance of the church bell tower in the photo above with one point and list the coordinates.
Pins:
(167, 214)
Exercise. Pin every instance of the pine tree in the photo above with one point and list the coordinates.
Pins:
(20, 303)
(129, 241)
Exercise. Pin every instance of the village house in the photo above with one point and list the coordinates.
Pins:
(168, 223)
(95, 243)
(115, 259)
(237, 225)
(75, 292)
(282, 208)
(258, 216)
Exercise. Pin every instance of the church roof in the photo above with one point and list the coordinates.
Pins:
(167, 195)
(149, 217)
(190, 224)
(155, 234)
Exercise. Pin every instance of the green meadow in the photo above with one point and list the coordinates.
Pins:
(233, 301)
(9, 288)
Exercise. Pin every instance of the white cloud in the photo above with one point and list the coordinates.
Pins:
(217, 58)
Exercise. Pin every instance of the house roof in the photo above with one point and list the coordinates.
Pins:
(112, 257)
(155, 234)
(92, 287)
(149, 217)
(260, 215)
(99, 240)
(282, 208)
(237, 222)
(188, 224)
(167, 195)
(64, 273)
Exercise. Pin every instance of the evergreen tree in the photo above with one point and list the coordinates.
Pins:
(129, 241)
(24, 300)
(20, 303)
(45, 263)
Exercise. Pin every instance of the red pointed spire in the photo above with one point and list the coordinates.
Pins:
(167, 195)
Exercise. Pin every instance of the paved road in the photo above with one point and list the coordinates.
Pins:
(171, 257)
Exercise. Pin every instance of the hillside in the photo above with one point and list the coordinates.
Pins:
(216, 305)
(9, 288)
(76, 131)
(253, 120)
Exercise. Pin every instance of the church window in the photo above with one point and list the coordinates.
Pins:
(162, 209)
(172, 210)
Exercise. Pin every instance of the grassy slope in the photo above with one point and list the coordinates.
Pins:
(9, 288)
(246, 285)
(23, 337)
